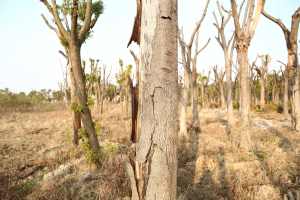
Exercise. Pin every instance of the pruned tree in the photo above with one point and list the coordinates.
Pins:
(244, 32)
(153, 169)
(228, 46)
(83, 16)
(293, 68)
(190, 74)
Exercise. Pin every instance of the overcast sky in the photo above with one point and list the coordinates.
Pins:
(29, 50)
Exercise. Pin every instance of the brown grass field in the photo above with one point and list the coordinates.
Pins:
(38, 160)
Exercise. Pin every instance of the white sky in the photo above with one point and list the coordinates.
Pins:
(29, 50)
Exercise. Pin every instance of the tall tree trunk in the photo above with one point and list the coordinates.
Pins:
(245, 85)
(195, 113)
(228, 71)
(262, 93)
(222, 96)
(296, 98)
(76, 116)
(184, 105)
(75, 59)
(286, 94)
(157, 147)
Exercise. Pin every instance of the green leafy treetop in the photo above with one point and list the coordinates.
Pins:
(83, 15)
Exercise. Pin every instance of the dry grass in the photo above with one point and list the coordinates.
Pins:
(212, 164)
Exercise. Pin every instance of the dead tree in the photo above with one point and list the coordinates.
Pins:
(228, 46)
(244, 32)
(190, 75)
(72, 37)
(293, 68)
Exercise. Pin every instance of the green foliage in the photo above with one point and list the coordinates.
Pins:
(25, 188)
(236, 105)
(111, 91)
(123, 74)
(76, 107)
(22, 100)
(91, 101)
(97, 128)
(58, 95)
(91, 156)
(66, 9)
(110, 149)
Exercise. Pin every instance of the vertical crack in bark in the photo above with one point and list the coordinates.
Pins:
(150, 153)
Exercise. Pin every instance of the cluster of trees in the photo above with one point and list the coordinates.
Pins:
(23, 101)
(152, 168)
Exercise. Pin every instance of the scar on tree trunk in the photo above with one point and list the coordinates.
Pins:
(134, 111)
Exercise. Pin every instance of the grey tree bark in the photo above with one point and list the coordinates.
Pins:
(155, 165)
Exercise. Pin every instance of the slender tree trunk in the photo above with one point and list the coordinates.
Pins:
(222, 96)
(195, 113)
(262, 93)
(228, 71)
(245, 86)
(184, 105)
(79, 81)
(286, 95)
(297, 99)
(157, 147)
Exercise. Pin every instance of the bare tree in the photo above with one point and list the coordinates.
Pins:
(291, 39)
(72, 37)
(153, 170)
(244, 32)
(190, 74)
(228, 46)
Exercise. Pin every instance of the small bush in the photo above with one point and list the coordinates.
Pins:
(236, 105)
(91, 156)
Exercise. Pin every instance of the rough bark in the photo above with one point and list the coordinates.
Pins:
(76, 116)
(156, 152)
(242, 55)
(195, 95)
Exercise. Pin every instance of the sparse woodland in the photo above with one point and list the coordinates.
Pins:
(151, 130)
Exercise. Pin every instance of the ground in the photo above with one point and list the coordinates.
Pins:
(38, 160)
